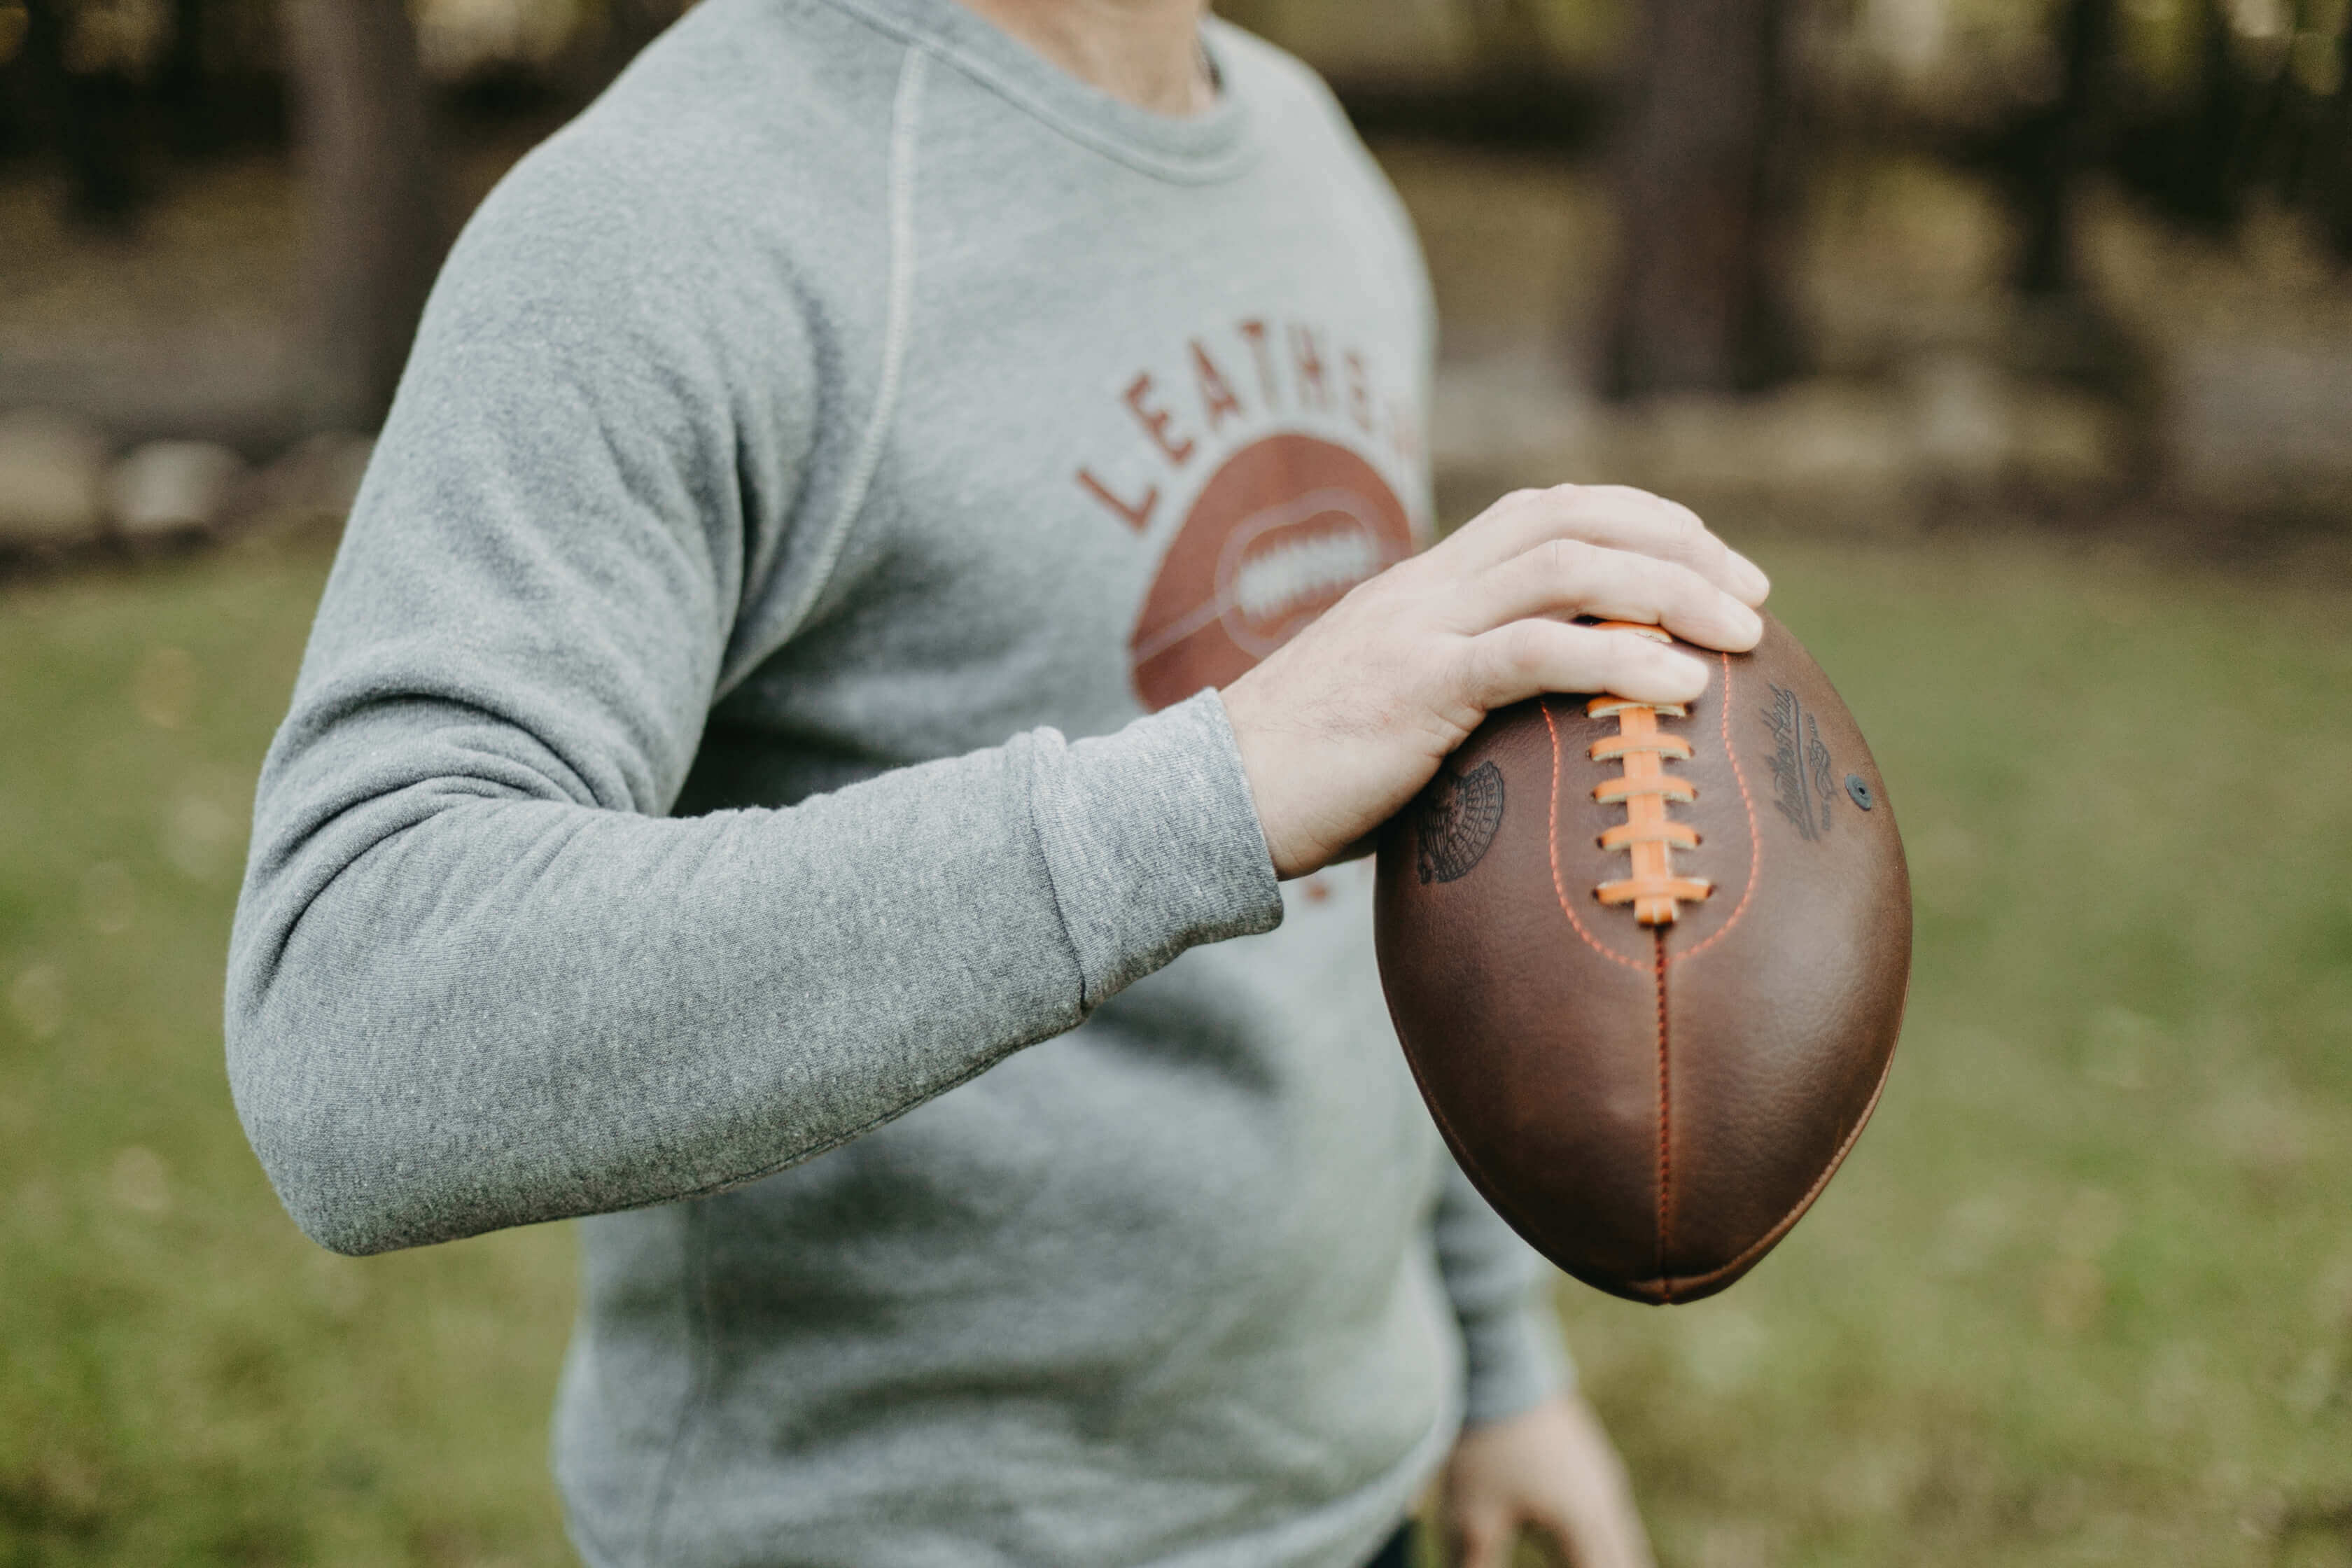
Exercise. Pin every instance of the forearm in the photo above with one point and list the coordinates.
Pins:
(454, 1007)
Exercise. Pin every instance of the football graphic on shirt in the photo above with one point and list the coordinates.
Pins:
(1279, 533)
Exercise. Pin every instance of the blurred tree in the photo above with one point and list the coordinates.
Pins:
(84, 100)
(2267, 112)
(2332, 163)
(2184, 151)
(377, 223)
(184, 83)
(2063, 329)
(1701, 302)
(2061, 143)
(1508, 37)
(2299, 140)
(629, 26)
(2208, 158)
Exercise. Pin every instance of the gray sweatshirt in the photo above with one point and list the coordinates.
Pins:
(756, 781)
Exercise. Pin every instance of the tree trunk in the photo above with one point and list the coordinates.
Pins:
(91, 117)
(1508, 38)
(629, 26)
(377, 223)
(2061, 328)
(2062, 147)
(1703, 194)
(185, 82)
(2335, 151)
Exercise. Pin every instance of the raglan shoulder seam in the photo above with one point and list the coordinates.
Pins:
(906, 117)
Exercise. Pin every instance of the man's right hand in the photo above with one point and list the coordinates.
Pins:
(1345, 723)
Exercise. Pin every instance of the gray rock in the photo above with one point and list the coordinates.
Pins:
(314, 481)
(2069, 440)
(169, 487)
(2253, 421)
(1841, 445)
(52, 473)
(1962, 424)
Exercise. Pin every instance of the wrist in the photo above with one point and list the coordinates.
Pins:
(1264, 771)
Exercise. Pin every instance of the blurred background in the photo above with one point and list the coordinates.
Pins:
(2013, 336)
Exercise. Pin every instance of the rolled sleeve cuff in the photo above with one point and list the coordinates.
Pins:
(1151, 838)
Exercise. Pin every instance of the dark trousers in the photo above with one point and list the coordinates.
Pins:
(1397, 1553)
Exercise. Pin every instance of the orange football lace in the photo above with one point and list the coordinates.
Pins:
(1650, 835)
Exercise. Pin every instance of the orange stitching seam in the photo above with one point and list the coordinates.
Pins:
(1559, 884)
(1797, 1211)
(1754, 844)
(1665, 1128)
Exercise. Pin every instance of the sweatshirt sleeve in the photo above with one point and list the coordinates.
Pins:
(1513, 1355)
(478, 977)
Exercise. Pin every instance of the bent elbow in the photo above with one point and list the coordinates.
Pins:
(338, 1198)
(306, 1126)
(342, 1216)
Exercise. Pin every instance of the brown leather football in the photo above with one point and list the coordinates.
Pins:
(1649, 965)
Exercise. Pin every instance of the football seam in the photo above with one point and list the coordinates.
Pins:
(1665, 1126)
(1769, 1238)
(1660, 1291)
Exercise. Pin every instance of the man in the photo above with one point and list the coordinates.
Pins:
(674, 824)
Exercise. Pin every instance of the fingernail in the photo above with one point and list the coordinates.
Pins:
(1748, 580)
(1750, 622)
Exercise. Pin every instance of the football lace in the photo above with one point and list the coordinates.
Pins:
(1647, 835)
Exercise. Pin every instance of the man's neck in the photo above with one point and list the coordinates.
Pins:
(1147, 52)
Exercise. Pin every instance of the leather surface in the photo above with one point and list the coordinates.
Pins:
(1652, 1109)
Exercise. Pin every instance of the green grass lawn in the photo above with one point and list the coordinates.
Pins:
(2083, 1294)
(184, 1379)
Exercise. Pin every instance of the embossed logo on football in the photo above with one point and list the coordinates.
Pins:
(1653, 1090)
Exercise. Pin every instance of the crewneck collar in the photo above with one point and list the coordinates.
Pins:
(1193, 149)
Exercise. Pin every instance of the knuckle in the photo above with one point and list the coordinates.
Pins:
(1635, 505)
(1465, 683)
(1507, 656)
(1568, 563)
(1504, 654)
(1526, 645)
(1625, 654)
(1643, 584)
(1383, 585)
(1693, 590)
